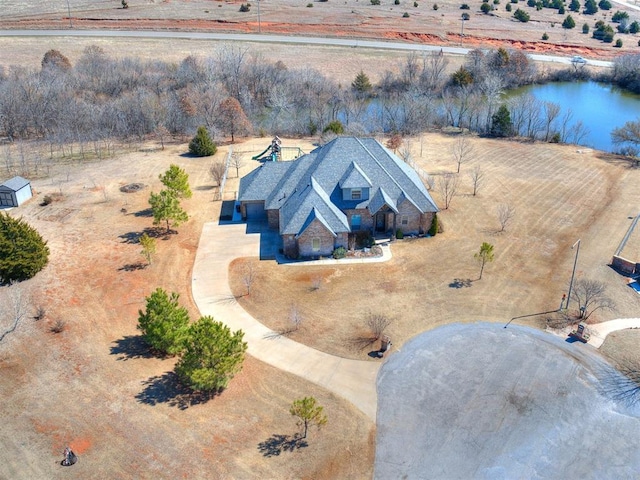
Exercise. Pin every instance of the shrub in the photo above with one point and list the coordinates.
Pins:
(634, 27)
(605, 4)
(496, 2)
(201, 145)
(245, 7)
(585, 28)
(568, 22)
(618, 16)
(405, 15)
(396, 2)
(465, 16)
(335, 126)
(415, 4)
(433, 230)
(399, 234)
(46, 200)
(590, 7)
(508, 7)
(574, 6)
(561, 10)
(375, 2)
(555, 138)
(545, 36)
(309, 5)
(485, 8)
(435, 6)
(339, 252)
(618, 43)
(531, 3)
(364, 239)
(58, 326)
(521, 15)
(464, 6)
(23, 252)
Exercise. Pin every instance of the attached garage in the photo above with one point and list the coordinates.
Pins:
(14, 192)
(255, 210)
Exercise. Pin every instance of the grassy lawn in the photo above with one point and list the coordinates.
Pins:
(559, 193)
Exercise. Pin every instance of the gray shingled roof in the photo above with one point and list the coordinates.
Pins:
(16, 183)
(315, 181)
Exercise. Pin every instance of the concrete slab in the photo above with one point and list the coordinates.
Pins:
(481, 401)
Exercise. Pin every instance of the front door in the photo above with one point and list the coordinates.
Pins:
(380, 222)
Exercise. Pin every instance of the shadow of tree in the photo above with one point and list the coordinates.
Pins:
(461, 283)
(131, 267)
(276, 444)
(360, 343)
(154, 232)
(166, 388)
(131, 346)
(147, 212)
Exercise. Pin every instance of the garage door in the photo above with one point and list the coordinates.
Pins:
(255, 211)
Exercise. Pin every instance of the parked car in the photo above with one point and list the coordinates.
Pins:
(578, 59)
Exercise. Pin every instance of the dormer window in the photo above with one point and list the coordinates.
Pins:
(356, 194)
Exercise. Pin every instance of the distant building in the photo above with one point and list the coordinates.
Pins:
(14, 192)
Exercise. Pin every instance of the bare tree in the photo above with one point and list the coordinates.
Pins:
(14, 306)
(551, 112)
(461, 150)
(377, 324)
(591, 296)
(295, 317)
(248, 277)
(217, 172)
(477, 178)
(448, 187)
(237, 162)
(505, 212)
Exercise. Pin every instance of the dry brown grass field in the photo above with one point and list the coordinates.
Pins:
(560, 194)
(95, 387)
(348, 18)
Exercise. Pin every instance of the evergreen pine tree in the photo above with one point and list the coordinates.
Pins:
(23, 252)
(201, 145)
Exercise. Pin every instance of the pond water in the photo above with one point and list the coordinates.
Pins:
(601, 107)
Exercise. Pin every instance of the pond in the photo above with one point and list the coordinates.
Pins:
(601, 107)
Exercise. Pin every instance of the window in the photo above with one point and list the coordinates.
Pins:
(356, 221)
(404, 220)
(315, 244)
(356, 193)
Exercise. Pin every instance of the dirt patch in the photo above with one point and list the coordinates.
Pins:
(132, 187)
(96, 388)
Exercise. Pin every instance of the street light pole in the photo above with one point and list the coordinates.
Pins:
(573, 273)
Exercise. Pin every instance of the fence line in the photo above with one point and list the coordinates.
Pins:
(226, 171)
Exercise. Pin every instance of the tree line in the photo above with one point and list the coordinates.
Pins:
(99, 100)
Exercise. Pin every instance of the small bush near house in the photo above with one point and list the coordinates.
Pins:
(339, 252)
(364, 239)
(399, 234)
(433, 230)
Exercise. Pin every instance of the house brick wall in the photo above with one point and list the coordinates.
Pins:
(328, 243)
(417, 222)
(273, 217)
(290, 246)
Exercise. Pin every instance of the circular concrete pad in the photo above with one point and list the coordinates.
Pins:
(481, 401)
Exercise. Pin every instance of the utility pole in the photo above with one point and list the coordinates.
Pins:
(259, 16)
(573, 273)
(69, 11)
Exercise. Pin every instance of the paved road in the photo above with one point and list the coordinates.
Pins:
(219, 244)
(249, 37)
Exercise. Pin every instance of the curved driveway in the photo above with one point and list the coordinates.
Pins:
(219, 244)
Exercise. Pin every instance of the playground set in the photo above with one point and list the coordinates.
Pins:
(278, 153)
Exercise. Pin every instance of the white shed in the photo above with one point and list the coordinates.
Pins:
(14, 192)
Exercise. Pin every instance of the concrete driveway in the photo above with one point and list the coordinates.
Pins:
(478, 401)
(219, 245)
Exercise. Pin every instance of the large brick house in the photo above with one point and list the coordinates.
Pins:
(348, 185)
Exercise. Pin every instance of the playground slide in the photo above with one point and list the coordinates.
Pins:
(259, 156)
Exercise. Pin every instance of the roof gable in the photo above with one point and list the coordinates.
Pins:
(354, 177)
(16, 183)
(315, 215)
